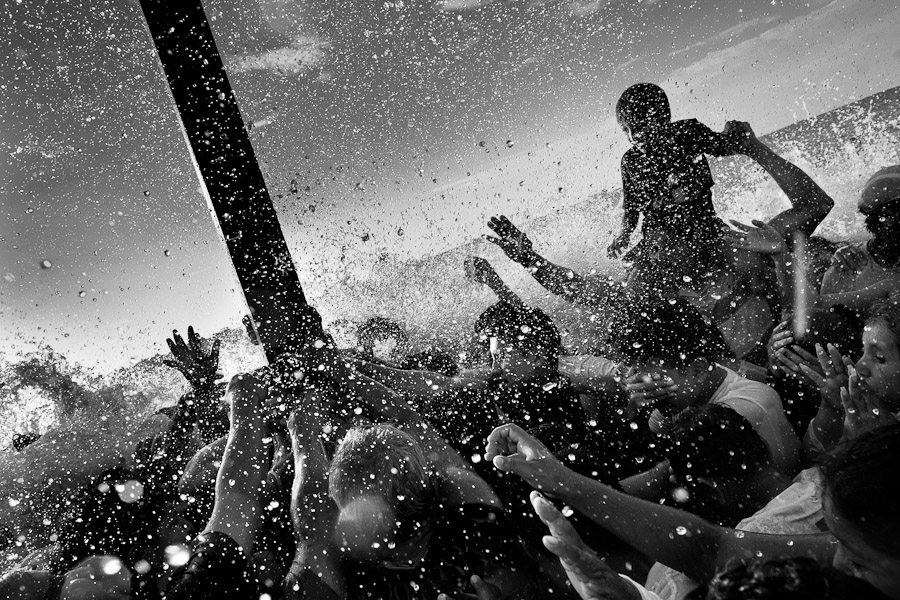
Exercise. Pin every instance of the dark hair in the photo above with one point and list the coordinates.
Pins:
(524, 327)
(669, 330)
(796, 578)
(431, 360)
(644, 103)
(873, 219)
(713, 440)
(21, 441)
(888, 313)
(862, 479)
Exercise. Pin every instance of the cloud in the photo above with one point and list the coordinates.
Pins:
(302, 55)
(728, 35)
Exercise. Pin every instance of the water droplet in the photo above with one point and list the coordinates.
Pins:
(739, 534)
(681, 530)
(111, 566)
(681, 495)
(357, 410)
(9, 277)
(634, 426)
(46, 264)
(177, 555)
(636, 345)
(509, 143)
(318, 344)
(525, 329)
(400, 231)
(476, 458)
(687, 279)
(567, 511)
(167, 252)
(549, 386)
(82, 294)
(29, 210)
(13, 502)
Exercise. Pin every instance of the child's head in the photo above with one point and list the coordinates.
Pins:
(527, 343)
(879, 366)
(642, 108)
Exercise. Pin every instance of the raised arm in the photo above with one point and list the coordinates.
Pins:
(809, 203)
(668, 535)
(312, 511)
(237, 511)
(422, 384)
(481, 271)
(559, 280)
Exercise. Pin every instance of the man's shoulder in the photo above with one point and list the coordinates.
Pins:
(739, 388)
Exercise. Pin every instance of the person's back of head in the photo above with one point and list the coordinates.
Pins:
(718, 482)
(797, 578)
(671, 331)
(862, 483)
(642, 107)
(381, 461)
(524, 327)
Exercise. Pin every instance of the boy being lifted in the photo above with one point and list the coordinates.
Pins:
(665, 177)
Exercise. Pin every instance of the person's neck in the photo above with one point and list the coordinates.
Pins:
(712, 382)
(885, 250)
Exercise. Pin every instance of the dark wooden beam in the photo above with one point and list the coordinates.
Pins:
(225, 161)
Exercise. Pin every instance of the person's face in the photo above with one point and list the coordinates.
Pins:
(518, 366)
(879, 366)
(857, 557)
(885, 221)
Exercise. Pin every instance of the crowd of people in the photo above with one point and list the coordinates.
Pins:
(736, 438)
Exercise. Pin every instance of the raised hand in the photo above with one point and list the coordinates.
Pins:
(792, 358)
(197, 366)
(863, 410)
(849, 258)
(513, 242)
(480, 271)
(834, 375)
(741, 135)
(647, 388)
(591, 577)
(781, 336)
(512, 450)
(761, 238)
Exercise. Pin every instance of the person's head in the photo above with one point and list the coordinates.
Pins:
(525, 342)
(431, 360)
(380, 480)
(642, 108)
(670, 338)
(861, 485)
(383, 338)
(795, 578)
(879, 366)
(714, 454)
(880, 202)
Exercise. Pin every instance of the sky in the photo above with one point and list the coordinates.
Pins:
(383, 129)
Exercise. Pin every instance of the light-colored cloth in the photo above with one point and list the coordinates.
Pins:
(761, 405)
(644, 592)
(582, 368)
(795, 511)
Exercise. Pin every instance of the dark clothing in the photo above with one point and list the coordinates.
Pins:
(466, 417)
(667, 179)
(217, 570)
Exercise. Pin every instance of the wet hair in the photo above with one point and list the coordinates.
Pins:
(862, 479)
(523, 327)
(874, 218)
(887, 312)
(384, 461)
(713, 440)
(380, 328)
(643, 103)
(672, 331)
(795, 578)
(431, 360)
